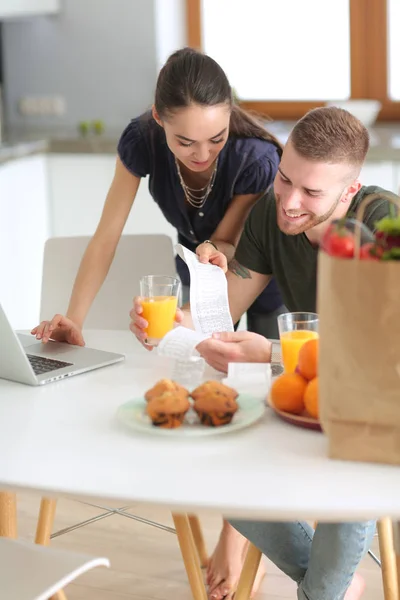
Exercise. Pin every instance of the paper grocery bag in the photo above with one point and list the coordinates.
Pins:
(359, 363)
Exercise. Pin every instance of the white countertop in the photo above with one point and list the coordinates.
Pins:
(63, 439)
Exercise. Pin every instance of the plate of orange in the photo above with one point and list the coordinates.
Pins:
(294, 396)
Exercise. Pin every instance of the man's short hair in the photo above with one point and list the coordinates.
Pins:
(332, 135)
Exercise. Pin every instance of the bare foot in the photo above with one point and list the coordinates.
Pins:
(356, 589)
(226, 564)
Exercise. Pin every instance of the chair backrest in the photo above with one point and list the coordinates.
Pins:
(32, 572)
(136, 255)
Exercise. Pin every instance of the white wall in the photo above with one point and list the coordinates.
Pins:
(102, 57)
(9, 9)
(99, 55)
(170, 23)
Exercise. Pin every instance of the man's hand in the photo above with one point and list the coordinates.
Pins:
(236, 346)
(208, 254)
(138, 324)
(60, 328)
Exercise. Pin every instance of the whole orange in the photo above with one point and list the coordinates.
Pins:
(307, 363)
(311, 398)
(287, 393)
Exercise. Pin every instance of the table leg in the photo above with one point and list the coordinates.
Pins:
(198, 540)
(396, 538)
(190, 556)
(43, 531)
(8, 515)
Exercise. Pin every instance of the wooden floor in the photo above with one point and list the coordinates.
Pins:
(145, 562)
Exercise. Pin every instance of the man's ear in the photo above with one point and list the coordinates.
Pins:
(351, 191)
(156, 116)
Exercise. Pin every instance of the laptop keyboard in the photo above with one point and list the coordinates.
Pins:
(41, 365)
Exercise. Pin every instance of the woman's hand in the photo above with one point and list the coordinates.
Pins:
(61, 329)
(207, 253)
(138, 324)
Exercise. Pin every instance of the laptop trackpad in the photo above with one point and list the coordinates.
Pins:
(53, 350)
(28, 340)
(50, 349)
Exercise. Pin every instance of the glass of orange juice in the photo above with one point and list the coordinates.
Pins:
(295, 329)
(159, 302)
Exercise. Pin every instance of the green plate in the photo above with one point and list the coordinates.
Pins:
(133, 415)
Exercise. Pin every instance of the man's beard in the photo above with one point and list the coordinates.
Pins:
(312, 221)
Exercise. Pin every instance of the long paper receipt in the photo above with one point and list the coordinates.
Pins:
(208, 294)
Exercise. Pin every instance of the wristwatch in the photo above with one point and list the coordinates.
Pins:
(276, 354)
(276, 358)
(212, 244)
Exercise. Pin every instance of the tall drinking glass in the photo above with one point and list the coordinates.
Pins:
(295, 329)
(160, 300)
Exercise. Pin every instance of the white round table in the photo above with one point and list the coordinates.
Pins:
(63, 439)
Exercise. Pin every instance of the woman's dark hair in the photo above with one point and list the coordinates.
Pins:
(191, 77)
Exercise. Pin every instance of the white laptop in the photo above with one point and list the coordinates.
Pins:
(25, 359)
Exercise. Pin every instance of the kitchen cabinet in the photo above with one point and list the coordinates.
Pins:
(24, 228)
(23, 8)
(78, 186)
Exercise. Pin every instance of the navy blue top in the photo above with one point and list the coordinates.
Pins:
(245, 166)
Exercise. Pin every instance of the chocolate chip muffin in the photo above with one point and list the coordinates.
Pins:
(213, 388)
(168, 410)
(215, 409)
(166, 385)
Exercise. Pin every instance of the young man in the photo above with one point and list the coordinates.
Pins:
(317, 182)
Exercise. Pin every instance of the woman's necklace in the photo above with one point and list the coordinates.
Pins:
(197, 197)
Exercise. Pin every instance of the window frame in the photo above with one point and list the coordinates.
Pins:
(368, 58)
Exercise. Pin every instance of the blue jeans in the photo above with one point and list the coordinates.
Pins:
(322, 562)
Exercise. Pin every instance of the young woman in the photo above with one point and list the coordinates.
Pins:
(208, 163)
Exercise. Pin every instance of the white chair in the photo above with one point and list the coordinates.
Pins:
(32, 572)
(136, 255)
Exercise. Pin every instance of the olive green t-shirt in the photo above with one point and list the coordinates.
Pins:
(292, 259)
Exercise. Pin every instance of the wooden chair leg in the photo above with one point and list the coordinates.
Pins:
(8, 515)
(198, 538)
(44, 528)
(45, 523)
(388, 559)
(396, 539)
(190, 556)
(249, 572)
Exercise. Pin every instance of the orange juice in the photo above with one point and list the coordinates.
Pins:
(159, 312)
(291, 342)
